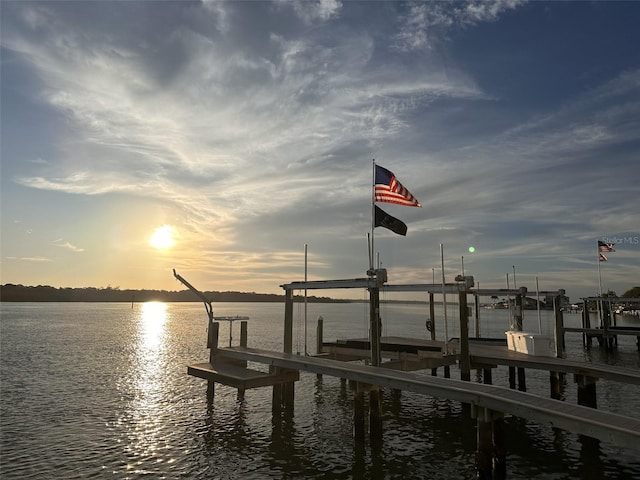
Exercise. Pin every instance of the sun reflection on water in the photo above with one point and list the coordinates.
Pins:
(152, 326)
(146, 414)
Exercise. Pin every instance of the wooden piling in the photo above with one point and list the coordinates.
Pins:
(476, 302)
(375, 329)
(288, 322)
(283, 395)
(432, 316)
(375, 416)
(243, 333)
(522, 382)
(484, 448)
(375, 400)
(512, 378)
(212, 343)
(487, 376)
(358, 416)
(432, 330)
(556, 381)
(499, 447)
(243, 343)
(586, 324)
(490, 449)
(559, 327)
(518, 313)
(465, 360)
(586, 390)
(319, 335)
(319, 340)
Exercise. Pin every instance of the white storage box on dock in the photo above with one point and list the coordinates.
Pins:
(531, 343)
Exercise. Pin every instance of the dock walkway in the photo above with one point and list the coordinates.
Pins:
(482, 352)
(618, 429)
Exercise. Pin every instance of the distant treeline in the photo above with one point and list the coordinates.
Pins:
(44, 293)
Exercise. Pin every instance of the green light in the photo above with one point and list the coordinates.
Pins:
(472, 249)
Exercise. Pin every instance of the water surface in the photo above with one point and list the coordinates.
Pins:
(101, 391)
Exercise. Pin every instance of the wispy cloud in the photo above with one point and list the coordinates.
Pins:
(31, 259)
(63, 244)
(425, 24)
(251, 126)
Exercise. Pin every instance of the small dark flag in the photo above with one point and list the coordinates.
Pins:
(383, 219)
(605, 247)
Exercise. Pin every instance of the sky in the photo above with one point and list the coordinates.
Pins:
(243, 131)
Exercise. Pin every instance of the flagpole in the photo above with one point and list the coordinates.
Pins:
(599, 275)
(599, 283)
(373, 212)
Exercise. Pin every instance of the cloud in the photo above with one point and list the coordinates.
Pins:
(61, 243)
(252, 125)
(316, 10)
(425, 24)
(30, 259)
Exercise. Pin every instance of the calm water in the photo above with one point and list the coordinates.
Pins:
(101, 391)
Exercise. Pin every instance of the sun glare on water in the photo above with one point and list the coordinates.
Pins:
(163, 237)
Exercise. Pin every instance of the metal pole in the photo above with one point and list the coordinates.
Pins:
(509, 305)
(538, 300)
(373, 212)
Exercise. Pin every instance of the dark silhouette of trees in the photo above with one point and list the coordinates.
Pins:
(45, 293)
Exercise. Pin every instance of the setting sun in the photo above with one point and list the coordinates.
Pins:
(163, 237)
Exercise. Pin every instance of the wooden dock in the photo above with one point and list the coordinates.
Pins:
(618, 429)
(391, 362)
(414, 353)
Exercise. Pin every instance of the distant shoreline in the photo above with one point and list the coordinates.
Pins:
(21, 293)
(42, 293)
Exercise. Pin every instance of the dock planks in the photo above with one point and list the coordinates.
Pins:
(240, 377)
(488, 352)
(618, 429)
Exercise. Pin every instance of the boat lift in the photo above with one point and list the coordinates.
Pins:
(209, 308)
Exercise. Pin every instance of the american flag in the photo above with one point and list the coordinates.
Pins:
(389, 189)
(603, 257)
(605, 247)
